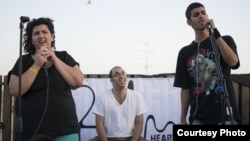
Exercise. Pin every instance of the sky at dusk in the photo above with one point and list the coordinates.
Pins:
(142, 36)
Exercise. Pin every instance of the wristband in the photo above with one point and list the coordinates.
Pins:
(216, 34)
(33, 71)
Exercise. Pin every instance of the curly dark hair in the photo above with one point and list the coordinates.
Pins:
(28, 46)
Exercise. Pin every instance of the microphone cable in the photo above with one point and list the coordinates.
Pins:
(47, 99)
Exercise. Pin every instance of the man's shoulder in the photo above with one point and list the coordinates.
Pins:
(191, 45)
(106, 92)
(187, 48)
(133, 91)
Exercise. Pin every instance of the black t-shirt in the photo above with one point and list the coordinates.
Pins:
(198, 71)
(60, 115)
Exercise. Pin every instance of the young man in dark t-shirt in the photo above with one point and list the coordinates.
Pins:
(203, 73)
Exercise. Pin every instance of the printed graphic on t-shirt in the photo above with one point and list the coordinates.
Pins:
(202, 70)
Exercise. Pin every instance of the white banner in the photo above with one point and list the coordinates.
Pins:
(162, 99)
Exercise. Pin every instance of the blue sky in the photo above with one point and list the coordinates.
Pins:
(143, 36)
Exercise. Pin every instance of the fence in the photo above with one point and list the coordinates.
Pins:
(6, 114)
(241, 84)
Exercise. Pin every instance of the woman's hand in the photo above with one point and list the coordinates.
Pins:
(43, 55)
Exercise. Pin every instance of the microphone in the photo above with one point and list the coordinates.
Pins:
(45, 69)
(24, 19)
(209, 27)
